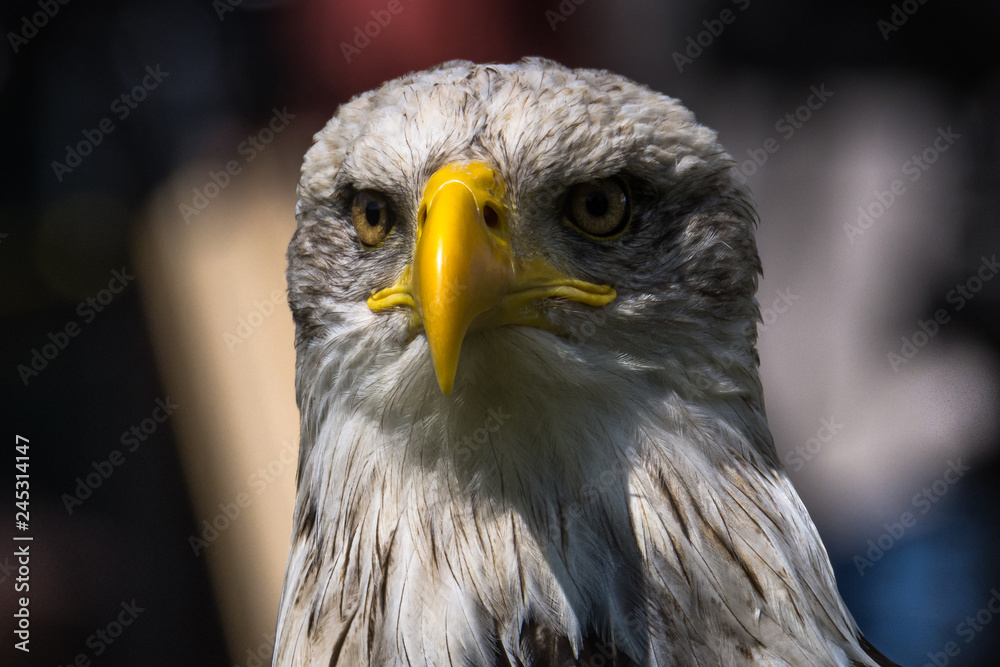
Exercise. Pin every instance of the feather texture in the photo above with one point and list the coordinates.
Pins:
(601, 492)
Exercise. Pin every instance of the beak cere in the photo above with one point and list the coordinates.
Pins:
(464, 274)
(462, 266)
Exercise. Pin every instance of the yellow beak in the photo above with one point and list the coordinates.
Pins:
(463, 272)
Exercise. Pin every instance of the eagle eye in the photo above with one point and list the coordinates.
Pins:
(600, 209)
(372, 217)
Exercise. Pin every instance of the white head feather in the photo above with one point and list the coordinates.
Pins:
(608, 491)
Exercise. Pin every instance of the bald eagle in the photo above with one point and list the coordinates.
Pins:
(532, 426)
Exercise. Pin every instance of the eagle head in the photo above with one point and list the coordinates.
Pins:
(532, 427)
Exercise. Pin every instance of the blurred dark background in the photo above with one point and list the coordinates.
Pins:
(223, 67)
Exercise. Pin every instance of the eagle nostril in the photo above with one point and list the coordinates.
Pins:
(491, 217)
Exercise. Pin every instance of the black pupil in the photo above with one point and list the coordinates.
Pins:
(596, 204)
(373, 212)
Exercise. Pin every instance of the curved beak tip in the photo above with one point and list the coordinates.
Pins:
(444, 359)
(446, 385)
